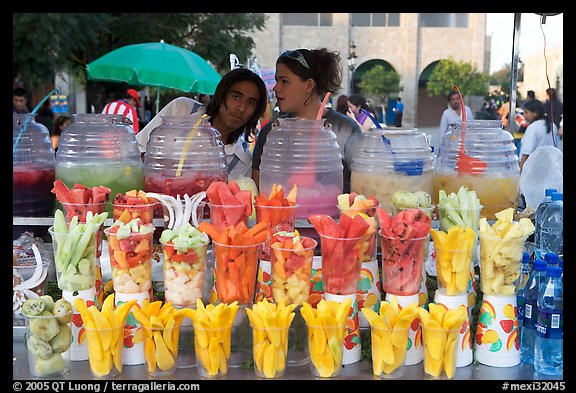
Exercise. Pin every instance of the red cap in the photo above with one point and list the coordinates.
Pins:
(134, 94)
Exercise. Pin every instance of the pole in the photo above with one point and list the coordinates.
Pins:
(514, 73)
(158, 100)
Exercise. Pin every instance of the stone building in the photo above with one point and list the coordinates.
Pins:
(409, 43)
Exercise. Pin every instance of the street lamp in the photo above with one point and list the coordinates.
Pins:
(352, 64)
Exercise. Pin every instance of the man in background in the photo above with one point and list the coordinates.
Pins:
(453, 113)
(19, 101)
(398, 111)
(126, 106)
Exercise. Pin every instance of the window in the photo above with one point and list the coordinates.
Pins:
(444, 20)
(374, 19)
(307, 19)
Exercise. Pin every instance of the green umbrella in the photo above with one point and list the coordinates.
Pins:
(156, 64)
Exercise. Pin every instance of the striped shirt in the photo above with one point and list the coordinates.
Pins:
(126, 110)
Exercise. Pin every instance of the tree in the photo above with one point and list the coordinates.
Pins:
(448, 73)
(46, 43)
(379, 82)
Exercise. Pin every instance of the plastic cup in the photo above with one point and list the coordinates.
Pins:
(325, 344)
(291, 273)
(131, 261)
(440, 351)
(235, 272)
(24, 272)
(269, 349)
(389, 346)
(143, 211)
(222, 216)
(464, 354)
(105, 363)
(81, 209)
(341, 264)
(500, 263)
(402, 262)
(48, 339)
(453, 269)
(297, 341)
(279, 218)
(184, 274)
(160, 350)
(240, 354)
(212, 347)
(75, 258)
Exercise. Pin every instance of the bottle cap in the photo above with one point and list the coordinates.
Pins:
(539, 265)
(550, 191)
(525, 257)
(553, 271)
(551, 258)
(557, 196)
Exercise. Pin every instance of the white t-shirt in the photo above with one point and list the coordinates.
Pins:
(536, 136)
(239, 159)
(450, 116)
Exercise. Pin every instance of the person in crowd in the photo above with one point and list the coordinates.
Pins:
(234, 110)
(342, 104)
(553, 107)
(530, 95)
(59, 125)
(541, 130)
(504, 112)
(127, 106)
(453, 113)
(45, 115)
(303, 77)
(398, 112)
(356, 102)
(20, 101)
(204, 99)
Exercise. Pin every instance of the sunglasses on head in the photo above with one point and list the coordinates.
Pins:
(296, 55)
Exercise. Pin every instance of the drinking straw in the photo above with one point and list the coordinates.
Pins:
(187, 144)
(30, 116)
(324, 102)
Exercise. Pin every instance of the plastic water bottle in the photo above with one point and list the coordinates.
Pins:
(528, 332)
(524, 275)
(551, 259)
(548, 348)
(552, 226)
(538, 217)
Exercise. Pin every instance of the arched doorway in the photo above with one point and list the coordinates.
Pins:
(430, 108)
(380, 106)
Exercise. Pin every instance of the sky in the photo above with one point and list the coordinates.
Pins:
(501, 26)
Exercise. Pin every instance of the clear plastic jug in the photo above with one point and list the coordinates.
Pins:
(33, 164)
(481, 156)
(304, 152)
(390, 160)
(182, 158)
(100, 150)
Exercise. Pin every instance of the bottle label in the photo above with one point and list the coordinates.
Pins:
(550, 324)
(520, 303)
(529, 315)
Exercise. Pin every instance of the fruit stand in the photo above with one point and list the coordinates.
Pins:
(361, 370)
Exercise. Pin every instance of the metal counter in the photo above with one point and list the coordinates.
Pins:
(80, 370)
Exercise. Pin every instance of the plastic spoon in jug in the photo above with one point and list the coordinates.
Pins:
(307, 176)
(187, 144)
(464, 162)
